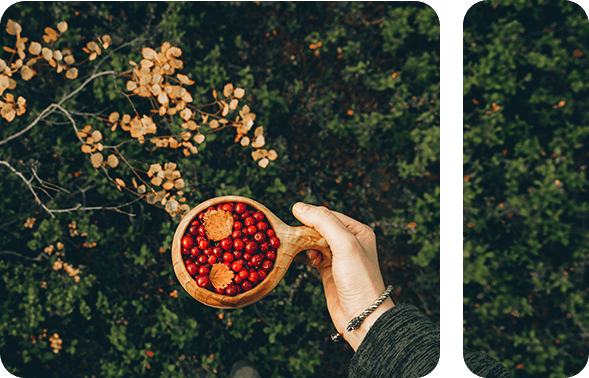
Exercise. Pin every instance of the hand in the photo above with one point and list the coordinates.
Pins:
(353, 282)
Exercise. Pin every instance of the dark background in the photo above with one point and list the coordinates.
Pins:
(526, 151)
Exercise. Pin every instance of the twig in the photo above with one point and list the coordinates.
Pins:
(28, 182)
(38, 258)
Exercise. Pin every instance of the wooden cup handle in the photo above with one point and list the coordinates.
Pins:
(309, 238)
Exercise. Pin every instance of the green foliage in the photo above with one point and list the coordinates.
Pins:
(525, 204)
(348, 94)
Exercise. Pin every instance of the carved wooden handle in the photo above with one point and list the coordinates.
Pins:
(309, 238)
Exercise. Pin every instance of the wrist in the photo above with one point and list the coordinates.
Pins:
(356, 337)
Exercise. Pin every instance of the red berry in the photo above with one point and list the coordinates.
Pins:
(220, 291)
(245, 239)
(185, 251)
(237, 254)
(251, 247)
(275, 242)
(199, 238)
(258, 215)
(244, 273)
(251, 230)
(192, 269)
(227, 264)
(195, 223)
(259, 236)
(246, 285)
(256, 260)
(237, 280)
(236, 234)
(262, 226)
(204, 269)
(238, 244)
(228, 256)
(270, 255)
(231, 290)
(240, 208)
(249, 221)
(236, 217)
(203, 281)
(262, 274)
(194, 251)
(212, 259)
(267, 265)
(201, 230)
(227, 207)
(253, 277)
(193, 230)
(236, 266)
(203, 244)
(208, 251)
(226, 243)
(218, 251)
(265, 246)
(202, 259)
(247, 256)
(201, 216)
(187, 242)
(237, 225)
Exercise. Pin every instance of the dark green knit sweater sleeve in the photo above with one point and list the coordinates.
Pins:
(483, 365)
(401, 343)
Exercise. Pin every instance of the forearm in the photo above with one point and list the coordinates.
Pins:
(355, 338)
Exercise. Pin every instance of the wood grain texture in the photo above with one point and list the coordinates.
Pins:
(293, 241)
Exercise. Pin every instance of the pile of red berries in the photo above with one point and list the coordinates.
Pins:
(249, 251)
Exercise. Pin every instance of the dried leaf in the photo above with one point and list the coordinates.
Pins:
(259, 131)
(218, 224)
(106, 41)
(263, 163)
(148, 53)
(172, 206)
(186, 114)
(184, 79)
(233, 104)
(97, 160)
(113, 117)
(179, 184)
(27, 73)
(62, 26)
(13, 28)
(35, 48)
(245, 141)
(157, 181)
(96, 135)
(239, 92)
(72, 73)
(214, 124)
(120, 182)
(258, 142)
(272, 155)
(141, 189)
(225, 110)
(168, 185)
(112, 161)
(86, 149)
(199, 138)
(228, 90)
(221, 276)
(134, 182)
(185, 135)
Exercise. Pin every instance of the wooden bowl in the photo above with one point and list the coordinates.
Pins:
(293, 240)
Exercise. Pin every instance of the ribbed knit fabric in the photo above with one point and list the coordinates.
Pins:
(404, 343)
(484, 365)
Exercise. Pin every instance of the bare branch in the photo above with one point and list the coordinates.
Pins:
(38, 258)
(28, 182)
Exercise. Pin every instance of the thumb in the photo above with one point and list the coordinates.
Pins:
(326, 223)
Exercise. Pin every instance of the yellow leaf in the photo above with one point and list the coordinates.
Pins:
(97, 159)
(157, 181)
(239, 92)
(168, 185)
(120, 182)
(96, 135)
(13, 28)
(86, 149)
(72, 73)
(141, 189)
(113, 117)
(245, 141)
(62, 26)
(27, 73)
(184, 79)
(106, 41)
(233, 104)
(263, 163)
(186, 114)
(179, 184)
(258, 142)
(148, 53)
(228, 90)
(35, 48)
(185, 135)
(199, 138)
(112, 161)
(259, 131)
(214, 124)
(272, 155)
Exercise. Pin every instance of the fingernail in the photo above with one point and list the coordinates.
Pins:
(300, 207)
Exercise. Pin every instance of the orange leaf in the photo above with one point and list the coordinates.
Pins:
(218, 224)
(412, 225)
(221, 276)
(149, 353)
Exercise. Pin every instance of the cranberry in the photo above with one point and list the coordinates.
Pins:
(270, 255)
(244, 273)
(227, 207)
(201, 230)
(238, 244)
(262, 274)
(236, 266)
(218, 251)
(262, 226)
(227, 256)
(258, 215)
(220, 291)
(187, 242)
(236, 217)
(267, 265)
(227, 264)
(202, 259)
(251, 230)
(201, 216)
(249, 221)
(212, 259)
(192, 269)
(246, 285)
(194, 251)
(251, 247)
(237, 225)
(270, 233)
(193, 230)
(245, 239)
(195, 223)
(237, 280)
(204, 269)
(203, 281)
(256, 260)
(253, 277)
(236, 234)
(247, 256)
(237, 254)
(259, 237)
(185, 251)
(265, 246)
(203, 244)
(275, 242)
(199, 238)
(226, 243)
(240, 208)
(208, 251)
(231, 290)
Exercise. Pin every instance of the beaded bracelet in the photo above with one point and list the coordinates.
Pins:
(355, 323)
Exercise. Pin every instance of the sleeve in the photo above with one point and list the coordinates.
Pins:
(483, 365)
(402, 343)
